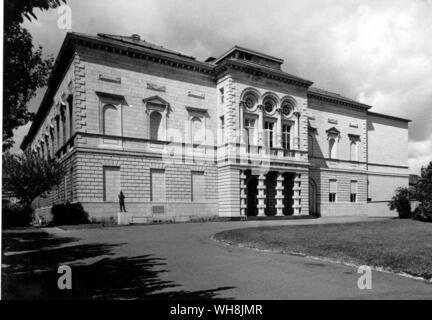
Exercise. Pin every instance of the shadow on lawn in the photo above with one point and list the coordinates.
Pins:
(33, 274)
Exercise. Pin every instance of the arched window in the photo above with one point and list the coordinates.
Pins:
(353, 151)
(197, 134)
(111, 120)
(332, 148)
(155, 126)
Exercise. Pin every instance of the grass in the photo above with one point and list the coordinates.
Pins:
(396, 245)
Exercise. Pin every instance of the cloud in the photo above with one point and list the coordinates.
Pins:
(376, 51)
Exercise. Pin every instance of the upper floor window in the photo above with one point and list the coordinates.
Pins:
(333, 136)
(57, 119)
(332, 148)
(71, 117)
(197, 134)
(354, 142)
(155, 126)
(269, 105)
(268, 134)
(111, 120)
(250, 101)
(310, 145)
(249, 126)
(52, 143)
(286, 136)
(353, 151)
(222, 126)
(221, 94)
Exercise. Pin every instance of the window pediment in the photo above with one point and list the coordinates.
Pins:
(354, 137)
(200, 112)
(333, 131)
(156, 100)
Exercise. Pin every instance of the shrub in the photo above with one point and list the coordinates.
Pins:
(15, 215)
(69, 214)
(423, 212)
(401, 203)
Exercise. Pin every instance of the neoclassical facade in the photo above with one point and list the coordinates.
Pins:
(233, 136)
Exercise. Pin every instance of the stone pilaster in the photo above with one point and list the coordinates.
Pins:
(261, 195)
(243, 194)
(260, 125)
(297, 194)
(279, 194)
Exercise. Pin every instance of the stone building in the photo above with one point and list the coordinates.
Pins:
(231, 136)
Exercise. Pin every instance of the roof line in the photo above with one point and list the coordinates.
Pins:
(263, 55)
(388, 116)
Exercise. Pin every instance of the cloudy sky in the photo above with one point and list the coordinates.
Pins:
(378, 52)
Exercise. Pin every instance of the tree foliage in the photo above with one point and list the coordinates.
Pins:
(424, 194)
(25, 68)
(28, 176)
(401, 203)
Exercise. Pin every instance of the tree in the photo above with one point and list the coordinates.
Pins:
(424, 194)
(28, 176)
(25, 69)
(401, 203)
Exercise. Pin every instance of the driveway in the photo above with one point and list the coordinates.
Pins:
(182, 261)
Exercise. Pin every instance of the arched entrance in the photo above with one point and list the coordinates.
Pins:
(252, 192)
(313, 207)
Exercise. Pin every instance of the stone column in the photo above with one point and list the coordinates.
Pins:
(297, 131)
(243, 194)
(261, 195)
(241, 124)
(279, 195)
(279, 129)
(297, 194)
(260, 125)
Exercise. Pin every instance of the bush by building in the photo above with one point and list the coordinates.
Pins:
(69, 214)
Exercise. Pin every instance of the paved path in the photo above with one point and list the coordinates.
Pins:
(192, 263)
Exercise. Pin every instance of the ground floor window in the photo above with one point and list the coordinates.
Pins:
(157, 185)
(353, 194)
(332, 190)
(111, 183)
(198, 186)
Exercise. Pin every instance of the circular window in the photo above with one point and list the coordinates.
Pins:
(287, 109)
(269, 106)
(249, 102)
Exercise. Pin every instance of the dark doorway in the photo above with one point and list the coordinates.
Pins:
(271, 181)
(288, 194)
(252, 192)
(313, 207)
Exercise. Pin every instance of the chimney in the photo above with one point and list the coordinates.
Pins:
(136, 37)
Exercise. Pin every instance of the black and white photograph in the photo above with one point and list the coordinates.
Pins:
(216, 156)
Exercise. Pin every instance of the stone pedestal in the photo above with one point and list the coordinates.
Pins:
(261, 195)
(297, 194)
(279, 195)
(243, 194)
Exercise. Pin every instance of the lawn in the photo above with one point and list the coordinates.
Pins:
(396, 245)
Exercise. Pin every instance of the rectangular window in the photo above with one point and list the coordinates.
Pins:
(250, 127)
(52, 143)
(71, 182)
(353, 195)
(111, 183)
(286, 136)
(222, 96)
(157, 185)
(222, 126)
(268, 134)
(198, 186)
(58, 132)
(332, 190)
